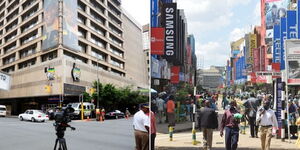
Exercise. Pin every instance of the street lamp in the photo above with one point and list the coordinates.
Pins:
(98, 92)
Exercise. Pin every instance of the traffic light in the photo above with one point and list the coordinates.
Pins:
(47, 88)
(92, 91)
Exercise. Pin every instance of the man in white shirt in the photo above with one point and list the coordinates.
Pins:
(267, 120)
(160, 107)
(141, 125)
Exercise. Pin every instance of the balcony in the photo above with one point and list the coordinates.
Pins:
(26, 40)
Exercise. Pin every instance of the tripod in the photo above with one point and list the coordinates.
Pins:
(60, 140)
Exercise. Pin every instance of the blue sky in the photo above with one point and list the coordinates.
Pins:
(214, 23)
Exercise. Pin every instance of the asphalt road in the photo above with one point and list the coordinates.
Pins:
(92, 135)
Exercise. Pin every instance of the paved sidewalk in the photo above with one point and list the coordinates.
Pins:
(183, 141)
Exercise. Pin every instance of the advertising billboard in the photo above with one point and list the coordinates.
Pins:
(155, 70)
(276, 44)
(291, 25)
(169, 22)
(274, 10)
(154, 13)
(175, 74)
(157, 41)
(256, 59)
(293, 62)
(5, 81)
(70, 29)
(50, 30)
(282, 38)
(298, 18)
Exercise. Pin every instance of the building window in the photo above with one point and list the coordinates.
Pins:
(29, 37)
(27, 63)
(11, 36)
(97, 6)
(81, 18)
(30, 12)
(83, 47)
(28, 3)
(28, 51)
(116, 41)
(10, 47)
(117, 63)
(97, 17)
(12, 25)
(81, 5)
(74, 57)
(9, 69)
(98, 54)
(116, 51)
(98, 29)
(100, 66)
(115, 30)
(9, 59)
(49, 56)
(98, 41)
(118, 73)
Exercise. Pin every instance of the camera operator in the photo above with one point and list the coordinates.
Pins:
(266, 119)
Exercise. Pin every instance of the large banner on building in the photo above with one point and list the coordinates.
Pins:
(155, 68)
(282, 38)
(274, 10)
(169, 22)
(50, 30)
(157, 41)
(70, 31)
(291, 22)
(276, 44)
(293, 62)
(5, 81)
(154, 13)
(256, 59)
(175, 74)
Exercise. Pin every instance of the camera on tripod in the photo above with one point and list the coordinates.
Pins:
(62, 118)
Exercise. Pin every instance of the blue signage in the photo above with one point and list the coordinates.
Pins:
(291, 24)
(279, 88)
(298, 17)
(282, 38)
(154, 13)
(276, 44)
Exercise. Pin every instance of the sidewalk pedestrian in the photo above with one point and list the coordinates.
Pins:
(152, 129)
(251, 109)
(141, 125)
(160, 106)
(171, 111)
(231, 126)
(266, 119)
(207, 122)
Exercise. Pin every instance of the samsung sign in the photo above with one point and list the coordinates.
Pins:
(169, 17)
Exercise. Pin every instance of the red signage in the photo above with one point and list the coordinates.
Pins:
(157, 41)
(175, 74)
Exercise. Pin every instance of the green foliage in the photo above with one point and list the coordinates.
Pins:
(111, 97)
(86, 97)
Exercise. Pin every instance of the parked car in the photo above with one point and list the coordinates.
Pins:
(89, 109)
(115, 114)
(34, 115)
(51, 113)
(2, 110)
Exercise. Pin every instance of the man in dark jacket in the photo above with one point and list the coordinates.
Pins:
(207, 122)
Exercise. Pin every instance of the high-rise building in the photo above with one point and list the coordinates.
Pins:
(59, 47)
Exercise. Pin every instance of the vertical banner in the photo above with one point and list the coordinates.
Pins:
(253, 44)
(298, 18)
(70, 29)
(175, 74)
(279, 88)
(154, 13)
(256, 59)
(169, 22)
(50, 30)
(157, 41)
(276, 44)
(282, 38)
(293, 62)
(291, 25)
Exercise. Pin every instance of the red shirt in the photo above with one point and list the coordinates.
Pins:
(170, 106)
(228, 120)
(152, 122)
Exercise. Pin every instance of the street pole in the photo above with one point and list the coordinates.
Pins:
(98, 93)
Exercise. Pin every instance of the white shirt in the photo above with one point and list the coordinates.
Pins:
(267, 118)
(160, 104)
(140, 120)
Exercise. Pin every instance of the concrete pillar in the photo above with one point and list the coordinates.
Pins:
(40, 32)
(39, 46)
(18, 43)
(41, 5)
(89, 50)
(38, 59)
(40, 18)
(88, 36)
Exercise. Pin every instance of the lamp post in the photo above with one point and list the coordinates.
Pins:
(98, 93)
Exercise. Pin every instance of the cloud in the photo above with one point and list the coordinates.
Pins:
(138, 9)
(256, 14)
(211, 53)
(238, 33)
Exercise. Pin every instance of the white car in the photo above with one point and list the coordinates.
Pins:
(34, 115)
(2, 110)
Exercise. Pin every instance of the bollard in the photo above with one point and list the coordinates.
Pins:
(194, 137)
(171, 133)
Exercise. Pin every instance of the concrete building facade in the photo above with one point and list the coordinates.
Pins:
(110, 44)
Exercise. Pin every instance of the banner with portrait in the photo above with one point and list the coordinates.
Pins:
(70, 29)
(50, 30)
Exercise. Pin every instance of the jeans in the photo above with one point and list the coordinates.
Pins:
(231, 138)
(253, 126)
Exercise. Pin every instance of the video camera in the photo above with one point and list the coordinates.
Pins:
(65, 115)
